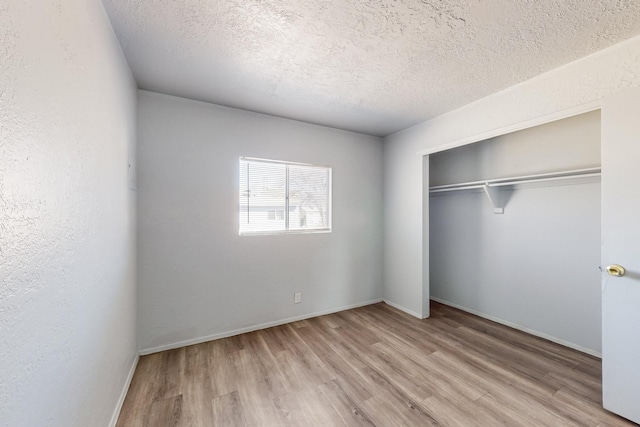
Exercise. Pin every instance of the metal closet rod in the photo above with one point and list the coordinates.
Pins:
(501, 182)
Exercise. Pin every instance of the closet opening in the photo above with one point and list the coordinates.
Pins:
(514, 227)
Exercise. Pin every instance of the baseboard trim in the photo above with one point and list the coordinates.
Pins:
(199, 340)
(123, 394)
(402, 308)
(521, 328)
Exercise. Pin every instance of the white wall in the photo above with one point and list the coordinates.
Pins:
(67, 216)
(553, 94)
(536, 266)
(567, 144)
(198, 279)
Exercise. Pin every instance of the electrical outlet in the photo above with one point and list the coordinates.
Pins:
(297, 297)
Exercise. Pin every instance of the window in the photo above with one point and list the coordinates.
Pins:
(272, 215)
(283, 197)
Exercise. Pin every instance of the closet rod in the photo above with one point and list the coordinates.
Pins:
(557, 178)
(466, 187)
(499, 182)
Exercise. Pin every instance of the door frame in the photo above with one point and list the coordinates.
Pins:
(515, 127)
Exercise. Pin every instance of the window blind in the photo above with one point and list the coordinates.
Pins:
(278, 196)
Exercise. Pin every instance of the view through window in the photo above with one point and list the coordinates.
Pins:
(284, 197)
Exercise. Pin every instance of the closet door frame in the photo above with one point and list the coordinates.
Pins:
(609, 389)
(424, 154)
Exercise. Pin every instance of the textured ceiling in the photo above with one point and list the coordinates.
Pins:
(375, 66)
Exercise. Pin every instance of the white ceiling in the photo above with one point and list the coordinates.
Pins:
(374, 66)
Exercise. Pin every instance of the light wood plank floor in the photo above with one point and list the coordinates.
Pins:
(371, 366)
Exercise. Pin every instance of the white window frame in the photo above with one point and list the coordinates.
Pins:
(286, 209)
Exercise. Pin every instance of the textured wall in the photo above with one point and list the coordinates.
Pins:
(197, 277)
(67, 216)
(580, 82)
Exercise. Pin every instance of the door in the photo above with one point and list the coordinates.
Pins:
(621, 246)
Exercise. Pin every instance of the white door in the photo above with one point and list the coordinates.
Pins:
(621, 246)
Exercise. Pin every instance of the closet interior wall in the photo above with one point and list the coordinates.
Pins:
(534, 267)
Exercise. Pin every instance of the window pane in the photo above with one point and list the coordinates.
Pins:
(308, 197)
(278, 196)
(262, 196)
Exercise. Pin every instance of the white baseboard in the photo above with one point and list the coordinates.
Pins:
(199, 340)
(402, 308)
(522, 328)
(123, 394)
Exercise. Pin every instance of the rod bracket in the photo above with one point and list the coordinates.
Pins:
(494, 197)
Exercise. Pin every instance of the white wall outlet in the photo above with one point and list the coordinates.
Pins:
(297, 297)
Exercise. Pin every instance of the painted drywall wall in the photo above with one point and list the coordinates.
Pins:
(553, 94)
(536, 266)
(403, 231)
(566, 144)
(67, 216)
(198, 279)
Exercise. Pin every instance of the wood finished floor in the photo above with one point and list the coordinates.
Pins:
(371, 366)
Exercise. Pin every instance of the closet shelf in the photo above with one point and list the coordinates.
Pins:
(491, 186)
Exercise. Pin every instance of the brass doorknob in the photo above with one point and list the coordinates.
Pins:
(615, 270)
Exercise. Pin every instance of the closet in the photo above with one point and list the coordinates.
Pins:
(515, 230)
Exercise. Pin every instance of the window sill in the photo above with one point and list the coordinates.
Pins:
(283, 232)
